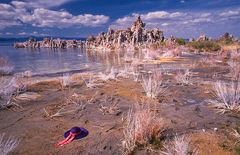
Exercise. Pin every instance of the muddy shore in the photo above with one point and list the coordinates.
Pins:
(184, 110)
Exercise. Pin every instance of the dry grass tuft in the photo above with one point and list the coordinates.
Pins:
(184, 78)
(236, 134)
(90, 83)
(142, 128)
(9, 90)
(66, 80)
(108, 75)
(179, 146)
(72, 104)
(227, 96)
(7, 145)
(109, 107)
(234, 68)
(152, 85)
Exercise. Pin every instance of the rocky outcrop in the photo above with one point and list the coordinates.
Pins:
(202, 37)
(50, 43)
(133, 36)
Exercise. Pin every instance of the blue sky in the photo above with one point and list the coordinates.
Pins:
(80, 18)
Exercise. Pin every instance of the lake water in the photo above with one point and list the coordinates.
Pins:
(50, 61)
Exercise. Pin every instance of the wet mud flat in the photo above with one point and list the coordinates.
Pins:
(102, 110)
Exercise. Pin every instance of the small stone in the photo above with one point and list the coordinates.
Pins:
(174, 100)
(197, 109)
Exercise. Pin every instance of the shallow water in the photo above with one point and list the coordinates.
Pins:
(55, 62)
(50, 61)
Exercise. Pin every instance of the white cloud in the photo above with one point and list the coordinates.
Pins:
(62, 19)
(156, 14)
(230, 13)
(31, 33)
(18, 14)
(202, 20)
(151, 18)
(38, 3)
(207, 14)
(43, 34)
(164, 18)
(181, 22)
(165, 24)
(182, 1)
(8, 33)
(8, 15)
(22, 33)
(8, 23)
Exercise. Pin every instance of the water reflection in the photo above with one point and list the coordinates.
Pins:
(46, 60)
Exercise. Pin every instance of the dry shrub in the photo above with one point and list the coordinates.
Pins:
(234, 68)
(150, 55)
(152, 85)
(208, 60)
(147, 126)
(5, 67)
(142, 128)
(235, 55)
(9, 90)
(227, 96)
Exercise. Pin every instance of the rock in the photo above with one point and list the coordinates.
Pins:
(135, 35)
(50, 43)
(202, 37)
(114, 39)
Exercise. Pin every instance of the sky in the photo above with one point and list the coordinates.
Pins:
(81, 18)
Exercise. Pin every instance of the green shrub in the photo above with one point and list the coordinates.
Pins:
(226, 41)
(162, 43)
(205, 45)
(180, 41)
